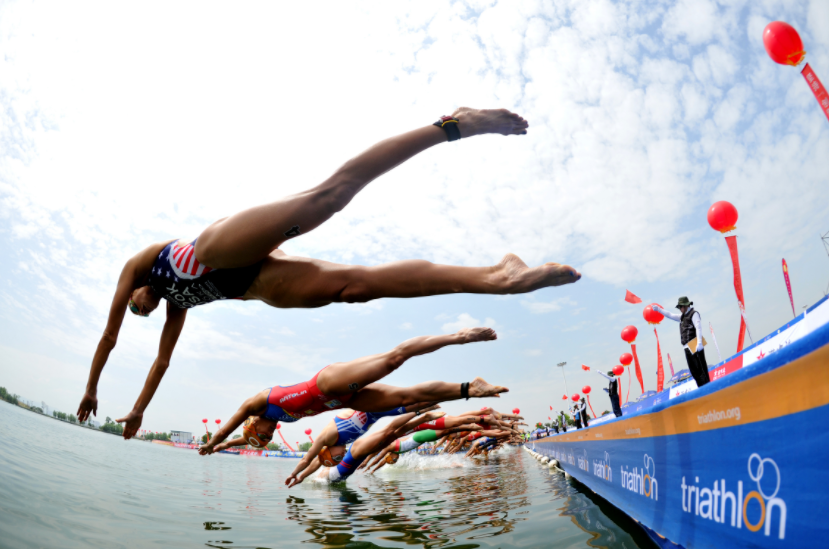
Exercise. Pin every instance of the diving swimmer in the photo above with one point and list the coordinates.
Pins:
(353, 384)
(238, 257)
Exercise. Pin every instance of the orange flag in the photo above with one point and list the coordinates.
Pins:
(631, 297)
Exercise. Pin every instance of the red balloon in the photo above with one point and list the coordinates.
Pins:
(626, 359)
(619, 370)
(278, 426)
(783, 44)
(516, 411)
(586, 389)
(629, 334)
(722, 216)
(204, 421)
(218, 421)
(575, 397)
(307, 431)
(651, 316)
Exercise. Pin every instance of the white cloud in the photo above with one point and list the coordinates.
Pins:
(541, 307)
(465, 320)
(406, 326)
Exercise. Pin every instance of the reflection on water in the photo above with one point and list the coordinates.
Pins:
(89, 489)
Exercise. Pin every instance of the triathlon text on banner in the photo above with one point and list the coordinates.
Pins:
(817, 88)
(788, 286)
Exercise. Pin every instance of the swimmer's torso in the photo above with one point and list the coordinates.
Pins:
(292, 403)
(178, 277)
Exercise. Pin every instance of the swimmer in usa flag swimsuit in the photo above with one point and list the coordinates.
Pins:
(238, 257)
(353, 384)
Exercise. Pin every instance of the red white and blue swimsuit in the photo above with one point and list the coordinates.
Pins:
(294, 402)
(178, 277)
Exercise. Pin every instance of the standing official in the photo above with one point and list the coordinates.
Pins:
(613, 391)
(690, 335)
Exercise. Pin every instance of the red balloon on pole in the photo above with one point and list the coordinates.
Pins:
(516, 411)
(626, 359)
(575, 397)
(651, 316)
(783, 44)
(722, 216)
(629, 334)
(307, 431)
(204, 421)
(618, 370)
(218, 421)
(586, 389)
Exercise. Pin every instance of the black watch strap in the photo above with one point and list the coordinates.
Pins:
(450, 126)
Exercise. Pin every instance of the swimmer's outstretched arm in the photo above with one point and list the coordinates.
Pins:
(230, 443)
(132, 275)
(254, 406)
(169, 337)
(328, 437)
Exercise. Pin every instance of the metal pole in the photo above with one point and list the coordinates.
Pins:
(561, 365)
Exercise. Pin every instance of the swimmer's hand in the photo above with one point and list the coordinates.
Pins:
(222, 446)
(206, 449)
(89, 403)
(133, 423)
(292, 481)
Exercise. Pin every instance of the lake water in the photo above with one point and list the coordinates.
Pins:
(89, 489)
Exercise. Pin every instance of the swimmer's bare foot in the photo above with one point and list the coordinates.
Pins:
(512, 276)
(481, 121)
(479, 388)
(473, 335)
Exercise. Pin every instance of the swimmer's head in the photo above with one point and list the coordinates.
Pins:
(391, 458)
(330, 457)
(258, 431)
(143, 301)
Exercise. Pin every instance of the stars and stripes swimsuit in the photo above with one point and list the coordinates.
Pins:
(178, 277)
(356, 424)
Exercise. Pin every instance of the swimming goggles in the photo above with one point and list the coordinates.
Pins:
(134, 308)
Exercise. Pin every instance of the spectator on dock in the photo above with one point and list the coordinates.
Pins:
(583, 412)
(563, 421)
(576, 416)
(613, 391)
(690, 335)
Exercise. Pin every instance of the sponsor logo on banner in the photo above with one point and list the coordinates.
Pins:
(682, 388)
(601, 468)
(641, 481)
(755, 509)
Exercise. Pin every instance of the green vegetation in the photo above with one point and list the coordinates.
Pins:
(110, 426)
(8, 397)
(206, 436)
(304, 446)
(157, 436)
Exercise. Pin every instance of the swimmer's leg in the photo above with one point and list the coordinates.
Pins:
(349, 377)
(249, 236)
(377, 396)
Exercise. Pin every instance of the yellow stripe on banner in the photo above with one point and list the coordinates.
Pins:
(796, 387)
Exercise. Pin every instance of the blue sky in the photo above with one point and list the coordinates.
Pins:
(122, 128)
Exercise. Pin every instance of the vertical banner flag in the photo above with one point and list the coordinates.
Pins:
(660, 371)
(731, 241)
(788, 286)
(631, 298)
(671, 364)
(620, 393)
(638, 368)
(817, 88)
(711, 326)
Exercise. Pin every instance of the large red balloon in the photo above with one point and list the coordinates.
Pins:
(783, 44)
(626, 359)
(278, 426)
(218, 421)
(204, 421)
(307, 431)
(651, 316)
(722, 216)
(618, 370)
(629, 334)
(516, 411)
(586, 389)
(575, 397)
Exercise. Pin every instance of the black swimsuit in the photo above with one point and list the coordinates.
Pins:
(179, 278)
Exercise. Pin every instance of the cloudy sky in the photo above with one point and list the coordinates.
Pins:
(123, 125)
